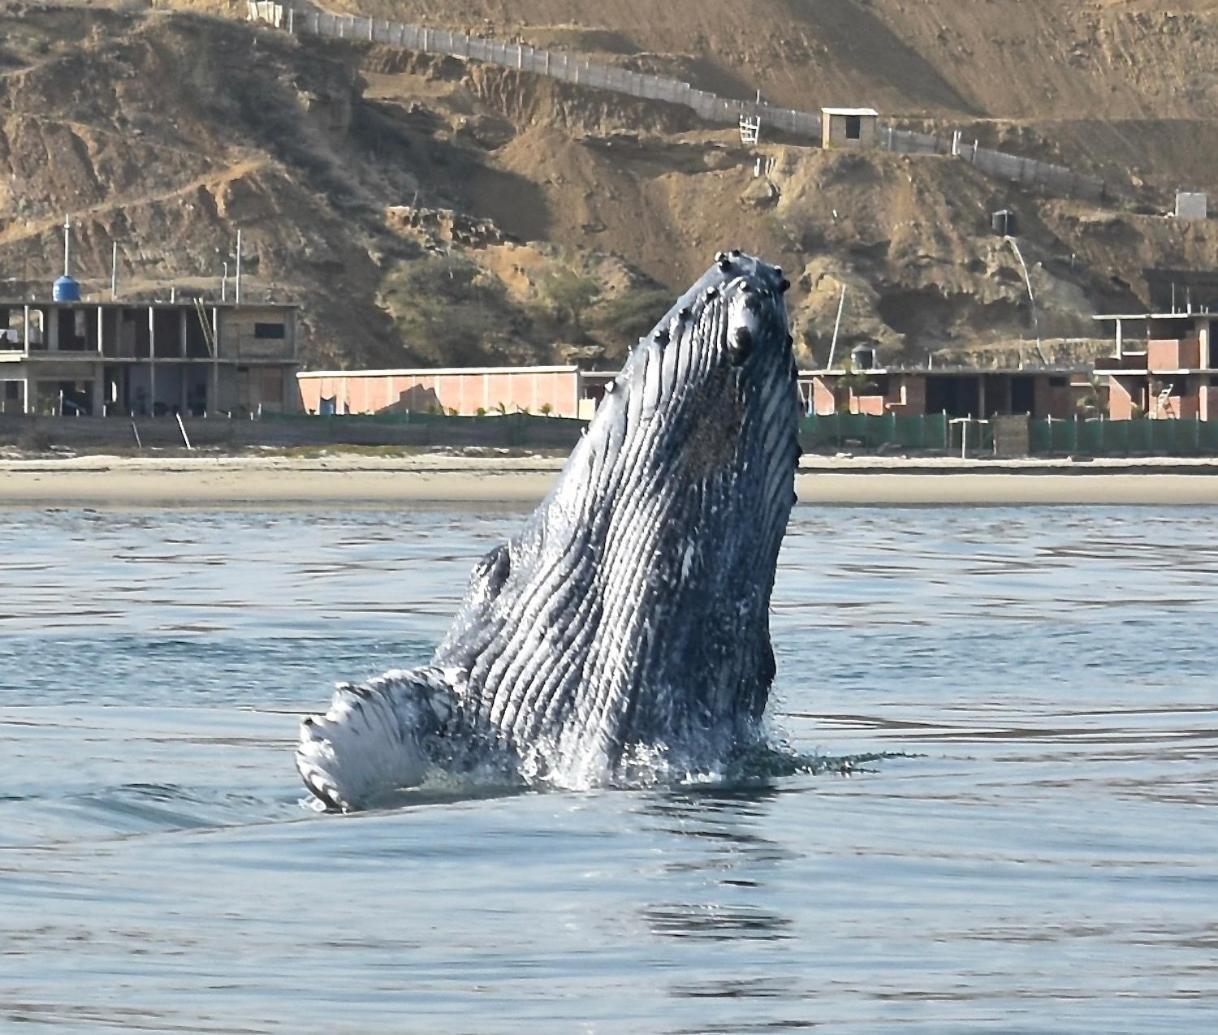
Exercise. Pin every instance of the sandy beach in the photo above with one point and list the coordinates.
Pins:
(354, 480)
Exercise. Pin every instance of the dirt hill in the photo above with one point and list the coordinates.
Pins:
(426, 210)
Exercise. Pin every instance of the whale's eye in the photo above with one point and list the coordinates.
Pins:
(742, 345)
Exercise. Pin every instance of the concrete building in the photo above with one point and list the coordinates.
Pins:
(561, 391)
(965, 392)
(146, 358)
(848, 127)
(1165, 366)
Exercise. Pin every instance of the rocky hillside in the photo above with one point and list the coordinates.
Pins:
(425, 210)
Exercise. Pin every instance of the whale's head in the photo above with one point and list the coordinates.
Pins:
(633, 608)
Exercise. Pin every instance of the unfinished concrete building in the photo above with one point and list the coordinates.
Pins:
(147, 358)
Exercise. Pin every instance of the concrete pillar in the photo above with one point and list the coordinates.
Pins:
(151, 362)
(1119, 342)
(213, 399)
(97, 396)
(25, 387)
(51, 329)
(26, 332)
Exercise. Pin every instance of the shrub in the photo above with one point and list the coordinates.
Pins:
(34, 440)
(447, 308)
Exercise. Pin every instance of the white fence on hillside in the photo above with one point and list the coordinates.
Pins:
(1055, 178)
(708, 106)
(523, 58)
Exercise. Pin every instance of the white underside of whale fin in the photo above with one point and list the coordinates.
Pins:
(373, 740)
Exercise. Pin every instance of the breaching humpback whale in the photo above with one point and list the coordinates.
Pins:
(629, 619)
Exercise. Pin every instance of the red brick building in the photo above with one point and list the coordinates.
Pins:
(961, 392)
(1165, 366)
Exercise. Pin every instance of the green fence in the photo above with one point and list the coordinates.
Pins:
(937, 432)
(934, 432)
(1185, 437)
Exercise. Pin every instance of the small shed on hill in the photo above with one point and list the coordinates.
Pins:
(849, 127)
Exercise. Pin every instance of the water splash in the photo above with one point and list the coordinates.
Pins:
(643, 767)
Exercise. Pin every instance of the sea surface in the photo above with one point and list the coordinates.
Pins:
(1043, 858)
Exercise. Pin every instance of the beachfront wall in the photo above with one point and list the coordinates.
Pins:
(466, 391)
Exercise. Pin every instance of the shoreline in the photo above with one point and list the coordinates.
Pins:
(461, 481)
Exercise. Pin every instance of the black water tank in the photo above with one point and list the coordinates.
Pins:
(1004, 224)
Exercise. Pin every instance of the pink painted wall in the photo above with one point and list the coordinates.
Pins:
(376, 392)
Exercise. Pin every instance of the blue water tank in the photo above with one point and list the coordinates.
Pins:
(66, 289)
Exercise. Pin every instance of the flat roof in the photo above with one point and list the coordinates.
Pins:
(849, 111)
(1156, 316)
(434, 371)
(118, 303)
(950, 371)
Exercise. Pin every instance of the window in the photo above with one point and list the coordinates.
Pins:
(854, 127)
(270, 330)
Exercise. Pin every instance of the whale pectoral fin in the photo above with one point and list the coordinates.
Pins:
(490, 574)
(374, 738)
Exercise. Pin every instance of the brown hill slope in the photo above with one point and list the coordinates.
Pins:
(1043, 59)
(1107, 85)
(429, 210)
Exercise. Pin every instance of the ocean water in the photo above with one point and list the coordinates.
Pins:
(1043, 858)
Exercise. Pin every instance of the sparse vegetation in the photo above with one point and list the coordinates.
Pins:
(449, 310)
(620, 322)
(570, 295)
(33, 440)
